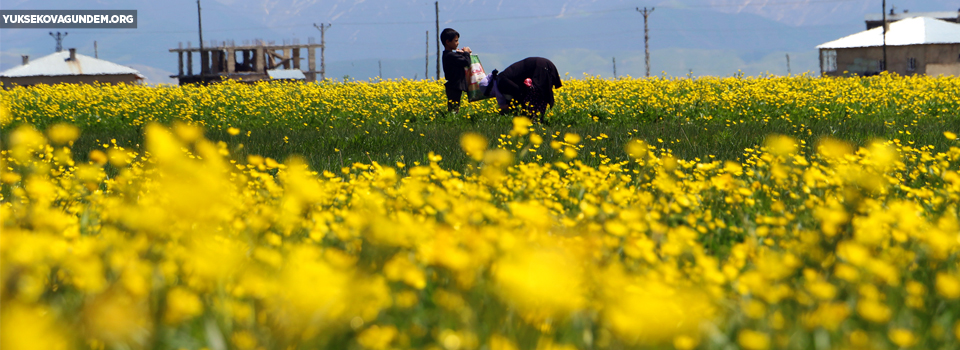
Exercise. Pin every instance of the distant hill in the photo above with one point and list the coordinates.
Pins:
(814, 12)
(707, 37)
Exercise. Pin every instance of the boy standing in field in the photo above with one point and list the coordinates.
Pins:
(454, 62)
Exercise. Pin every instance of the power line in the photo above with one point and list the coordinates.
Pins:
(594, 37)
(765, 4)
(884, 13)
(323, 47)
(203, 54)
(503, 18)
(646, 36)
(506, 18)
(426, 67)
(59, 39)
(537, 43)
(723, 29)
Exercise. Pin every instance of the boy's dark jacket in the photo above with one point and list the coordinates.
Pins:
(453, 65)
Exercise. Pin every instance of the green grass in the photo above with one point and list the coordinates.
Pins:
(334, 125)
(332, 149)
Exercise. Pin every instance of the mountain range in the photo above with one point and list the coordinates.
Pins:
(397, 38)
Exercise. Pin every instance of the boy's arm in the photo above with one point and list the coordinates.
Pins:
(455, 60)
(462, 59)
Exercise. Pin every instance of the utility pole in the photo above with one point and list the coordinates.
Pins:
(379, 70)
(646, 36)
(95, 53)
(884, 62)
(614, 67)
(426, 61)
(788, 64)
(436, 10)
(203, 55)
(59, 39)
(323, 46)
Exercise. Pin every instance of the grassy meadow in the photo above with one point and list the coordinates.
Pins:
(335, 124)
(712, 213)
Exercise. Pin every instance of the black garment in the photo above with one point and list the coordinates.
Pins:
(545, 78)
(453, 69)
(454, 94)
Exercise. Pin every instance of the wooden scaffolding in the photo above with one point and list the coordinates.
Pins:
(246, 63)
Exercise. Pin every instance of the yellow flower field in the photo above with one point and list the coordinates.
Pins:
(182, 245)
(800, 100)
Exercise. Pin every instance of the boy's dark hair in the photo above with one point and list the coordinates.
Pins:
(448, 34)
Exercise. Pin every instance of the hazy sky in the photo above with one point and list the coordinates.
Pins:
(587, 33)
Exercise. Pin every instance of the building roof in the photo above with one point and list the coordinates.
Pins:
(58, 63)
(286, 74)
(910, 31)
(904, 15)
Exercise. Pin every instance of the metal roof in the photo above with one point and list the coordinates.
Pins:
(286, 74)
(905, 15)
(58, 63)
(911, 31)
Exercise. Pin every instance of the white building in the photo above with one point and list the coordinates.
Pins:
(918, 45)
(68, 67)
